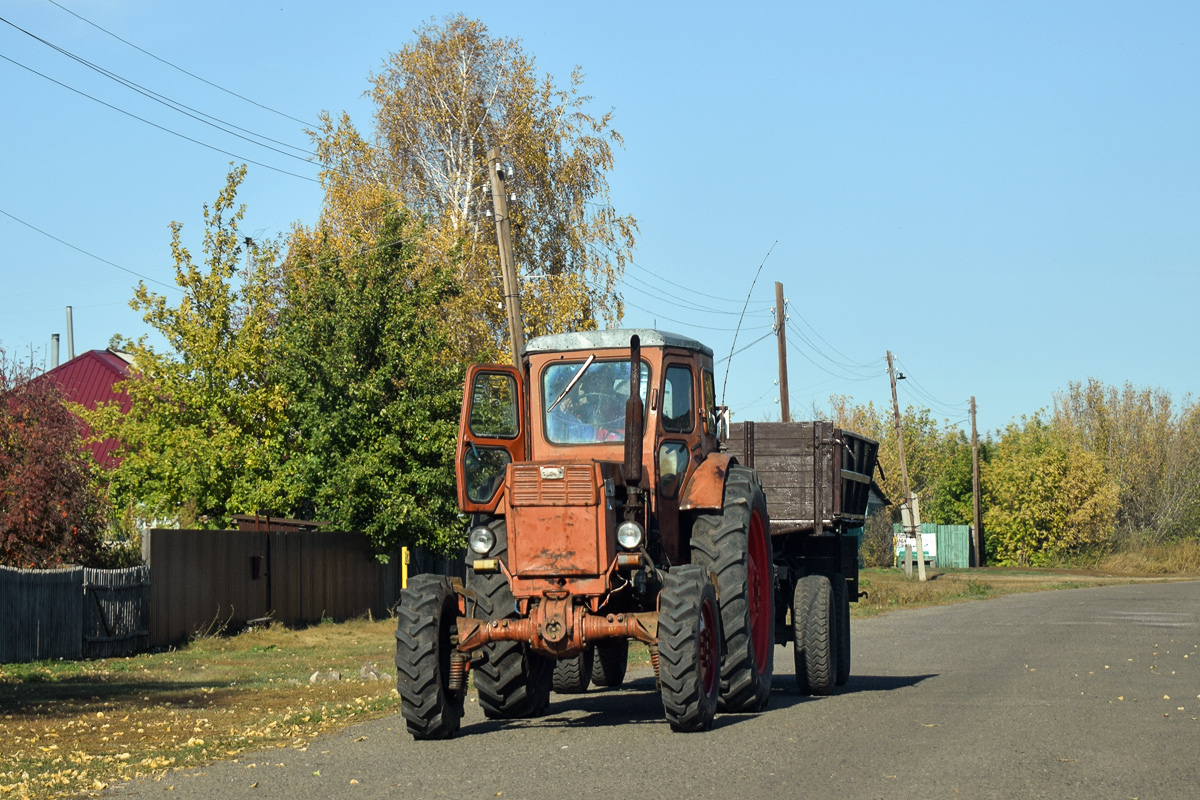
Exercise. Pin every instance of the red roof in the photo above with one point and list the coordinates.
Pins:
(88, 380)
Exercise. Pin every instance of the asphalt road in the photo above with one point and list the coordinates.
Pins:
(1086, 693)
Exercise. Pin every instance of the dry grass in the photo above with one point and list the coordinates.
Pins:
(1173, 559)
(67, 727)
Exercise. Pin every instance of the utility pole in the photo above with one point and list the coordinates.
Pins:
(784, 410)
(512, 296)
(977, 517)
(915, 526)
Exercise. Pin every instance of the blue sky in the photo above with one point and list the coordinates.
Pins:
(1006, 195)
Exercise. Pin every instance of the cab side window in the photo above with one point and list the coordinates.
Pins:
(677, 407)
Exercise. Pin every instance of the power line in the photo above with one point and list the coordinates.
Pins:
(181, 69)
(156, 125)
(852, 367)
(947, 408)
(869, 365)
(766, 335)
(174, 105)
(682, 322)
(681, 287)
(85, 252)
(662, 294)
(218, 123)
(824, 369)
(658, 294)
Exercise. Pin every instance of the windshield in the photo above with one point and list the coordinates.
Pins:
(594, 408)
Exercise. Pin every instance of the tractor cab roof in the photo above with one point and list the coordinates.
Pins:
(614, 338)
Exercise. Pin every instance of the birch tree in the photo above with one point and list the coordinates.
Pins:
(440, 102)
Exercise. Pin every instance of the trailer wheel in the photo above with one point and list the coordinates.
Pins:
(689, 648)
(612, 658)
(814, 622)
(736, 545)
(512, 681)
(572, 675)
(841, 603)
(425, 633)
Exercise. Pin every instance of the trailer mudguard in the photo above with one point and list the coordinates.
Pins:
(706, 486)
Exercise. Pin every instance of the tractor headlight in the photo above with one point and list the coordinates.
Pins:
(481, 540)
(630, 535)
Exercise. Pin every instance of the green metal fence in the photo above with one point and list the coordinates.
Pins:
(953, 543)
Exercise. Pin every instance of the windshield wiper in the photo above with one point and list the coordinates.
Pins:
(574, 381)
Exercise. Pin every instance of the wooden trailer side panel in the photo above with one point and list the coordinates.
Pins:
(816, 477)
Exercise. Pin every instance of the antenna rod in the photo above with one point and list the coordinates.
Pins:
(729, 360)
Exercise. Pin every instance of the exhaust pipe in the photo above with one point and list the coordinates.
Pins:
(635, 423)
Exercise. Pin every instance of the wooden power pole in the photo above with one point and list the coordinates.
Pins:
(915, 526)
(784, 410)
(512, 294)
(977, 517)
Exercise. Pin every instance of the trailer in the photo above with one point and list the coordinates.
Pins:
(817, 479)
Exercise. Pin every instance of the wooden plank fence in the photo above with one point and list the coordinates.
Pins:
(116, 611)
(209, 581)
(41, 614)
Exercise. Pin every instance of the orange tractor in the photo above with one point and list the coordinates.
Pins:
(604, 508)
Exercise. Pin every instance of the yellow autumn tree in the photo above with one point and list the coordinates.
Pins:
(1045, 496)
(441, 102)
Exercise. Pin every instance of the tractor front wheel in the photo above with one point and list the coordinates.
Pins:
(425, 633)
(689, 649)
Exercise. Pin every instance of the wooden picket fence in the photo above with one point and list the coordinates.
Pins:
(41, 614)
(73, 613)
(116, 611)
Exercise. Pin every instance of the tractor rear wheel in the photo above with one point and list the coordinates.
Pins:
(814, 627)
(841, 603)
(736, 546)
(572, 675)
(689, 648)
(425, 638)
(612, 658)
(512, 681)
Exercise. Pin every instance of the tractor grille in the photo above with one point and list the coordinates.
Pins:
(531, 487)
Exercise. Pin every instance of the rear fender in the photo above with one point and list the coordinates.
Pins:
(705, 488)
